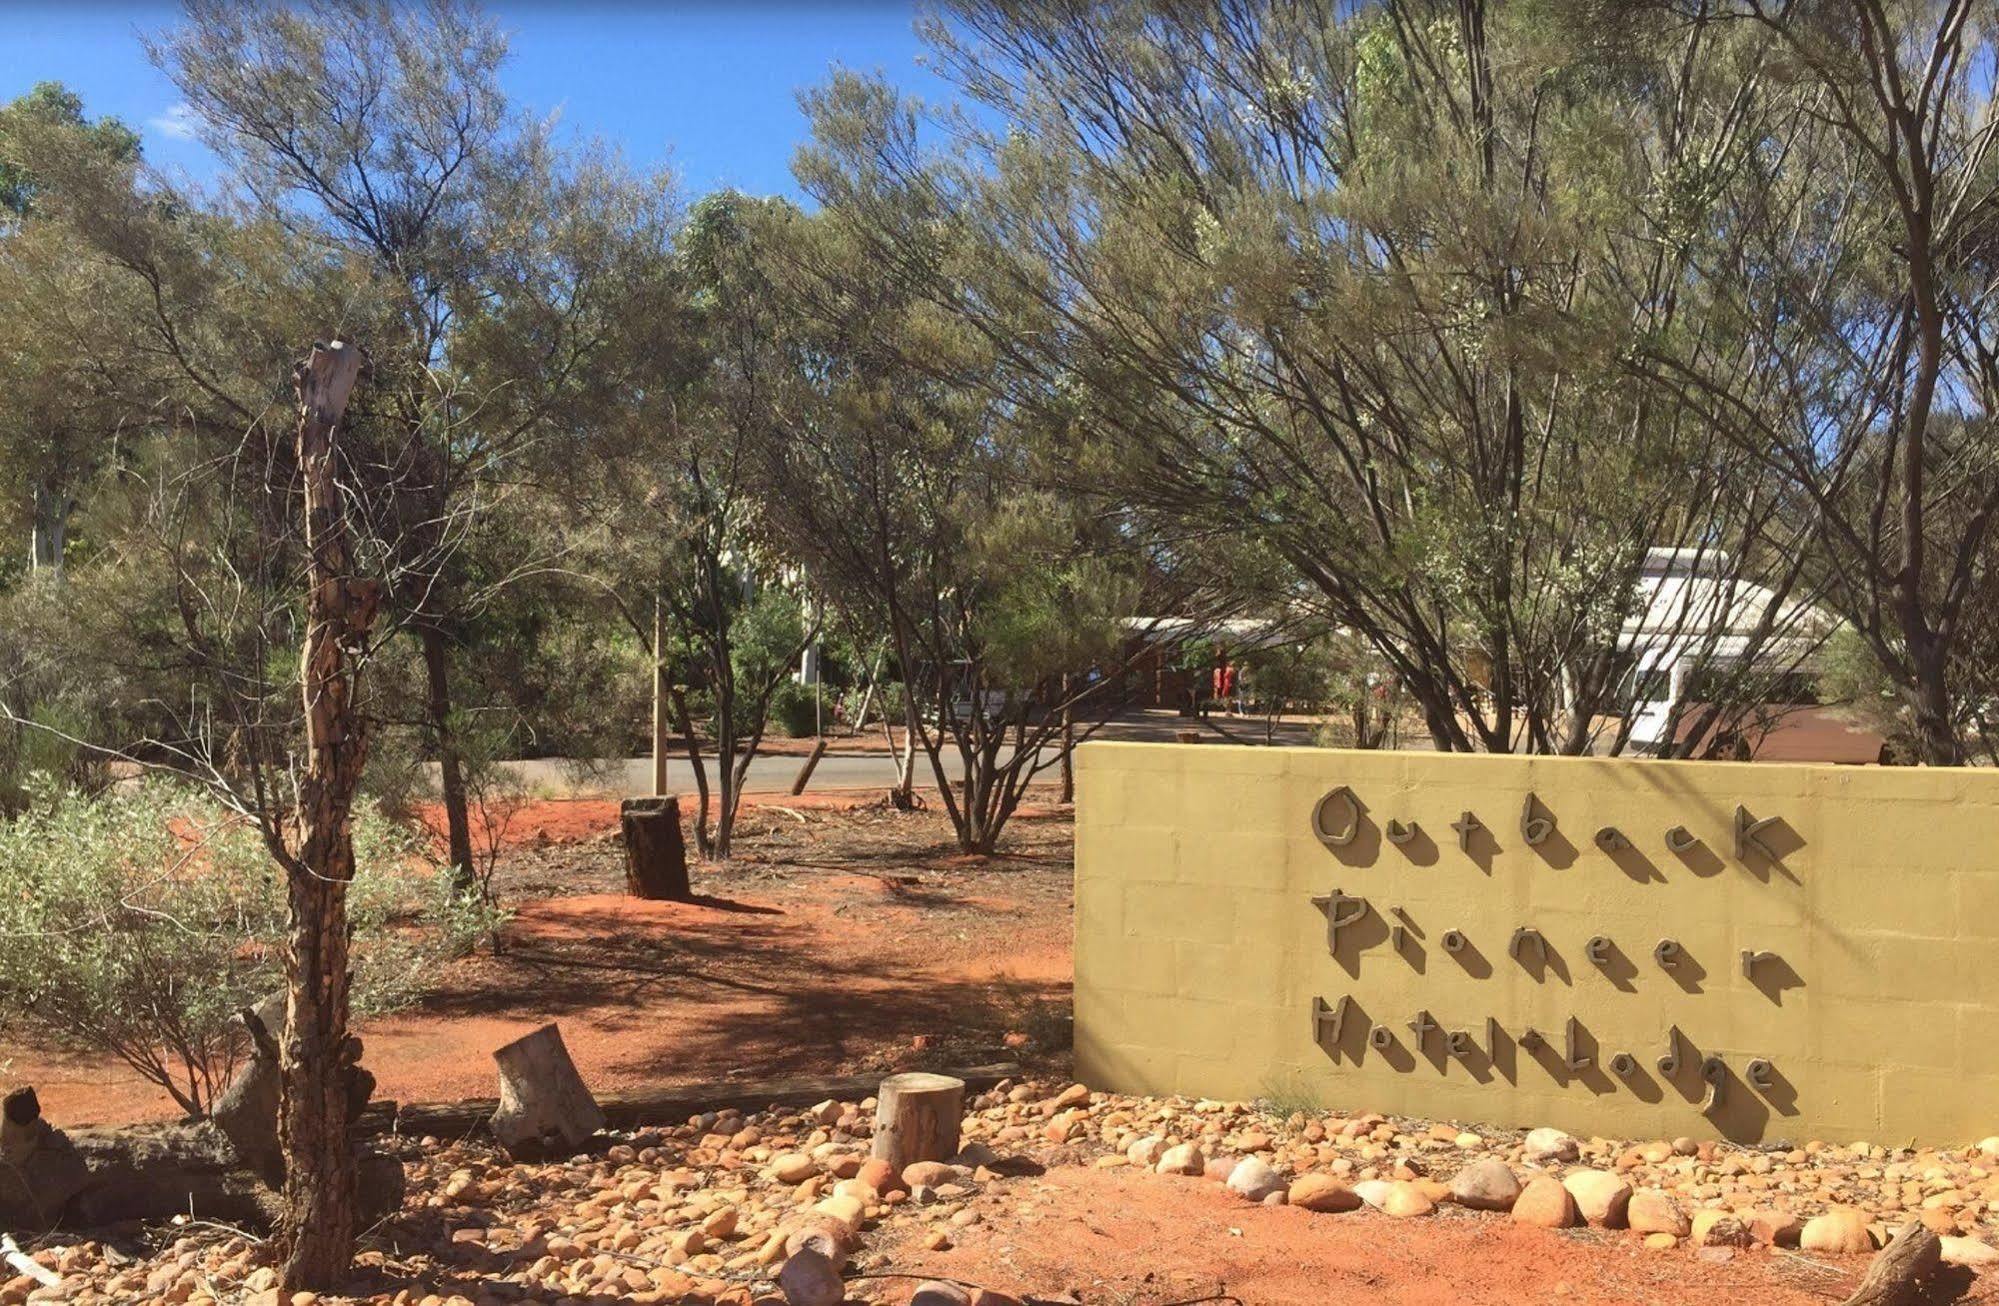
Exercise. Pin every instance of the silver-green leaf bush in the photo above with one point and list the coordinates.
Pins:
(137, 923)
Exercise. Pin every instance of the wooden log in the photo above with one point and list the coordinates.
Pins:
(18, 1261)
(247, 1110)
(1901, 1270)
(667, 1104)
(804, 776)
(545, 1109)
(84, 1178)
(917, 1117)
(655, 853)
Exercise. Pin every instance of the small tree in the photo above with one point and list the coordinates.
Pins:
(675, 534)
(1849, 233)
(908, 493)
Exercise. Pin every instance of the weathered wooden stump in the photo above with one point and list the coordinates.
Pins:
(917, 1117)
(90, 1177)
(1900, 1272)
(545, 1108)
(655, 853)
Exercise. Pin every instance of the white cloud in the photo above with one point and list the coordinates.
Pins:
(177, 122)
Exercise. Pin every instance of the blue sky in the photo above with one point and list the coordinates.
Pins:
(708, 88)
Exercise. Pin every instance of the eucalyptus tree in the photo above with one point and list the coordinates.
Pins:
(674, 531)
(60, 419)
(1853, 234)
(379, 135)
(1356, 282)
(908, 493)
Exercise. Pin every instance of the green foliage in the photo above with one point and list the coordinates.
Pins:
(138, 922)
(793, 711)
(53, 106)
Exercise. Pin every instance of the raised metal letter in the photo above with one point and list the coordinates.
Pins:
(1715, 1071)
(1534, 829)
(1421, 1027)
(1759, 1074)
(1669, 1065)
(1337, 838)
(1454, 941)
(1611, 839)
(1399, 834)
(1624, 1065)
(1329, 1020)
(1460, 1043)
(1524, 936)
(1750, 958)
(1380, 1039)
(1531, 1038)
(1667, 953)
(1464, 825)
(1598, 950)
(1679, 839)
(1335, 922)
(1577, 1060)
(1747, 828)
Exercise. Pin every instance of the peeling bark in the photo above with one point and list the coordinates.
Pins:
(315, 1236)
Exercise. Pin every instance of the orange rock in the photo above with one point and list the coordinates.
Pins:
(1317, 1192)
(1546, 1204)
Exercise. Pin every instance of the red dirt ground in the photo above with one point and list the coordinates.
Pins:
(824, 948)
(829, 946)
(1120, 1236)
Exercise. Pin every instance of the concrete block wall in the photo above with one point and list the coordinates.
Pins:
(1870, 898)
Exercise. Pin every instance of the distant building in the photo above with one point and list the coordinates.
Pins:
(1696, 625)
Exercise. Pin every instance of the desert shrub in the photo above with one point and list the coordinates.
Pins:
(887, 705)
(793, 712)
(139, 921)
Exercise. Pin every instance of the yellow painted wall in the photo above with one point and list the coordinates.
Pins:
(1199, 952)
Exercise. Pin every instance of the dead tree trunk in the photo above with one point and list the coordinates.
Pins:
(917, 1117)
(545, 1107)
(804, 776)
(247, 1110)
(655, 854)
(1901, 1270)
(315, 1236)
(87, 1178)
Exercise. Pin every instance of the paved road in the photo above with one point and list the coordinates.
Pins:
(768, 775)
(837, 770)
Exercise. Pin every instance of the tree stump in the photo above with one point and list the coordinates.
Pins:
(917, 1117)
(545, 1108)
(1901, 1269)
(247, 1110)
(655, 854)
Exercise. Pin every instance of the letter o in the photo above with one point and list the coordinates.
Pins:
(1331, 837)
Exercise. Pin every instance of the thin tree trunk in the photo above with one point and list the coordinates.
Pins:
(49, 531)
(702, 842)
(1068, 741)
(905, 767)
(1929, 696)
(661, 728)
(315, 1238)
(450, 765)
